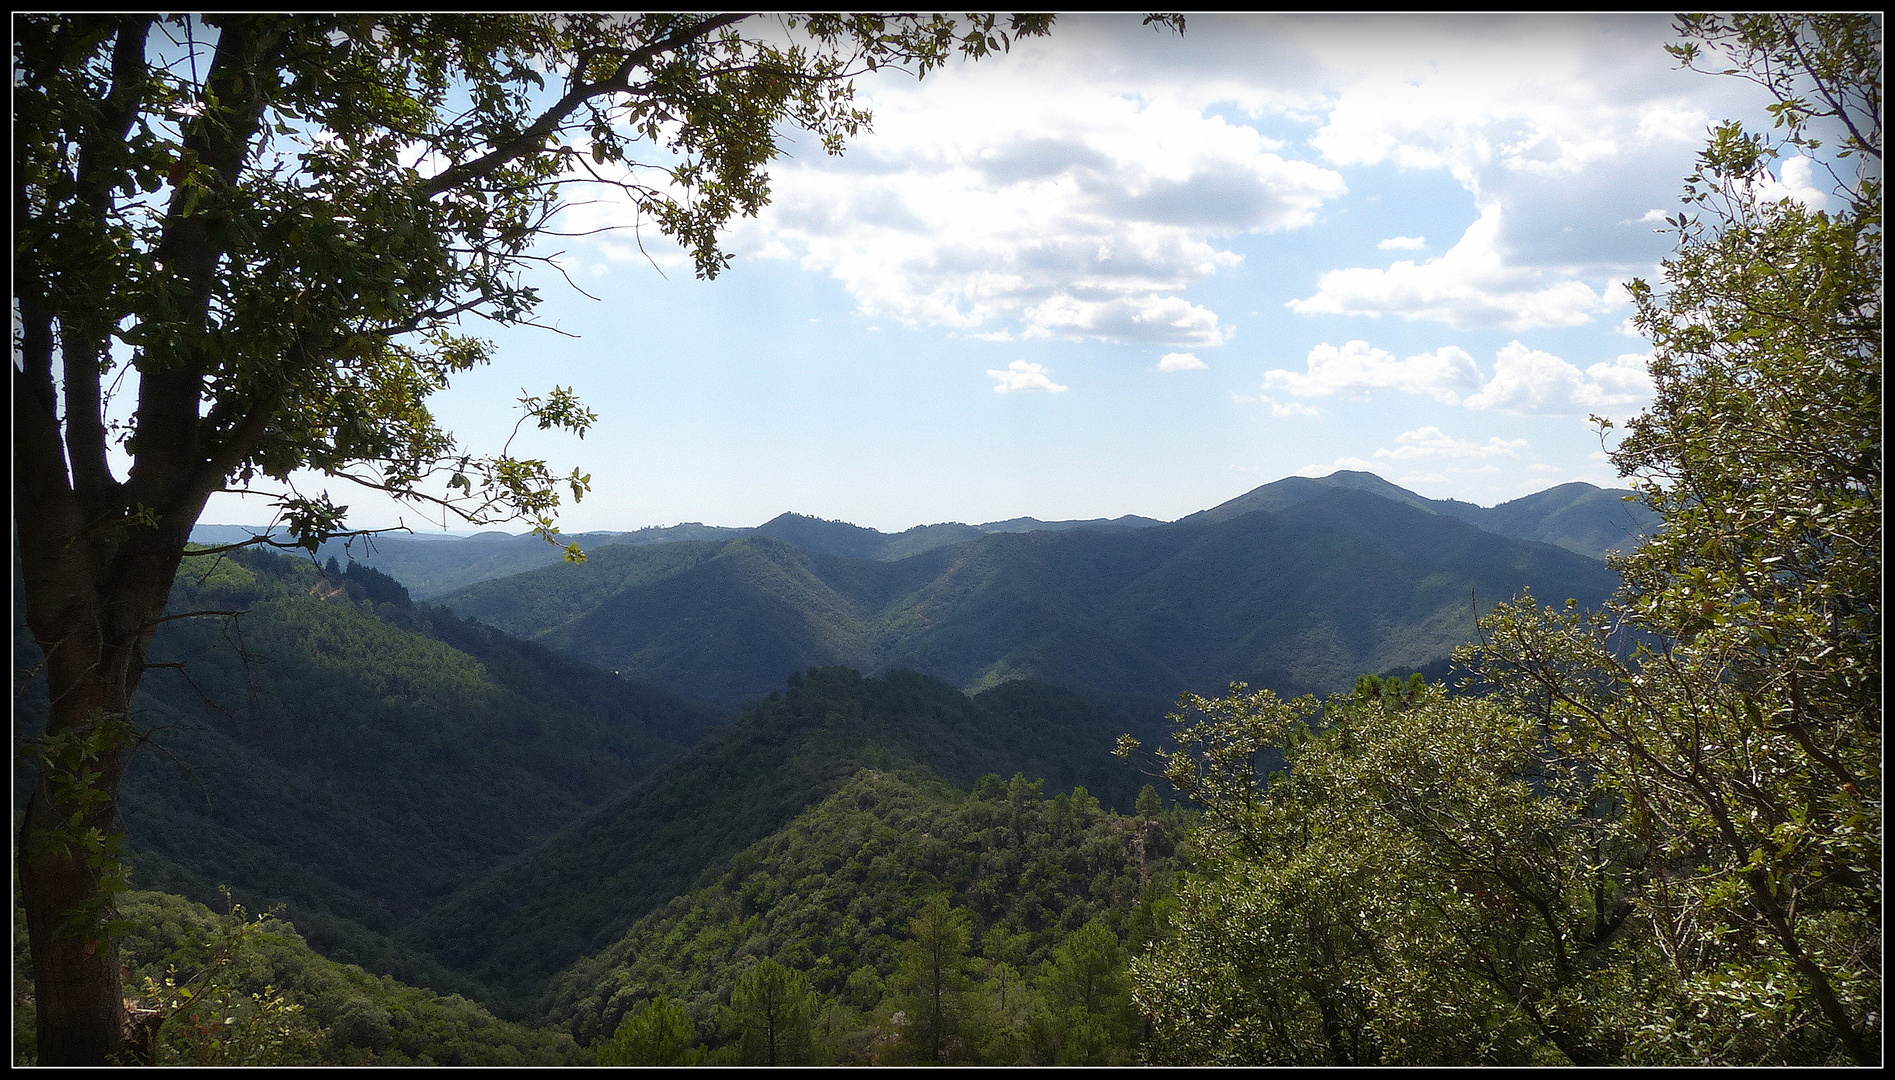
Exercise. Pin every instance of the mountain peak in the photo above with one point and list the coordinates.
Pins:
(1576, 515)
(822, 535)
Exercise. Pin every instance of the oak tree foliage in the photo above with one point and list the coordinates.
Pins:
(249, 246)
(1658, 838)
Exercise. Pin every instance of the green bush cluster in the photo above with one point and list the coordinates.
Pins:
(230, 989)
(916, 923)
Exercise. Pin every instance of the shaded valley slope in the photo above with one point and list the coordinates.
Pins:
(582, 889)
(1300, 598)
(357, 756)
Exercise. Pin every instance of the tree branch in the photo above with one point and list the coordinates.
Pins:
(85, 329)
(533, 139)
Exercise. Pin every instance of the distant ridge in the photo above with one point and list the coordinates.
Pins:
(433, 564)
(1578, 516)
(1299, 600)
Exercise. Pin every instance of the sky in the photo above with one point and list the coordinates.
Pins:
(1119, 271)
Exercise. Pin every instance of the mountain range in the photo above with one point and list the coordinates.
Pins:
(1299, 585)
(430, 564)
(1577, 516)
(477, 793)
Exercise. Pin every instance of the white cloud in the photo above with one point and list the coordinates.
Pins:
(1354, 464)
(1471, 285)
(1277, 408)
(1023, 376)
(1792, 182)
(1141, 318)
(1574, 124)
(1432, 442)
(1287, 408)
(1518, 100)
(1530, 381)
(1525, 381)
(1082, 186)
(1180, 361)
(1086, 215)
(1358, 368)
(1666, 122)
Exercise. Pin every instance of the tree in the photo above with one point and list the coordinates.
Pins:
(659, 1033)
(1419, 887)
(1149, 805)
(1743, 738)
(772, 1009)
(244, 247)
(1658, 839)
(1084, 987)
(933, 980)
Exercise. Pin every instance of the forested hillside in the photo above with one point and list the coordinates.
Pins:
(338, 748)
(1036, 900)
(430, 565)
(580, 890)
(226, 987)
(1576, 516)
(1301, 599)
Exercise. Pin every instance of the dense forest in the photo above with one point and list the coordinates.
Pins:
(806, 796)
(330, 744)
(1354, 581)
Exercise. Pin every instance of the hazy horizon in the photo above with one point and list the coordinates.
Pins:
(426, 531)
(1119, 271)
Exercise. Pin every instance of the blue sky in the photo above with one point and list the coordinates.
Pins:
(1125, 272)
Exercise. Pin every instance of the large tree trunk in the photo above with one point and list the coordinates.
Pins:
(92, 607)
(94, 588)
(97, 555)
(75, 966)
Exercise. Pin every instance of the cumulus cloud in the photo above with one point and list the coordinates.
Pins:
(1531, 381)
(1432, 442)
(1084, 186)
(1428, 457)
(1471, 285)
(1519, 100)
(1525, 381)
(1180, 361)
(1792, 183)
(1357, 369)
(1279, 408)
(1573, 124)
(1023, 376)
(1139, 318)
(1354, 464)
(1087, 215)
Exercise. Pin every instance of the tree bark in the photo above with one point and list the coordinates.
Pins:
(97, 557)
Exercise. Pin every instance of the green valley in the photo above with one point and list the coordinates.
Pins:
(1327, 772)
(1301, 598)
(335, 747)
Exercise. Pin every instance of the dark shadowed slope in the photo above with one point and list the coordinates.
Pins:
(582, 889)
(1303, 598)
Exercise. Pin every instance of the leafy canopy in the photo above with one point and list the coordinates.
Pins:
(1659, 838)
(280, 224)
